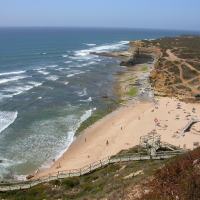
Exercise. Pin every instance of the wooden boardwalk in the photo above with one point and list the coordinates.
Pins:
(87, 169)
(188, 126)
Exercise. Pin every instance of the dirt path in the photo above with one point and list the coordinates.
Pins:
(180, 62)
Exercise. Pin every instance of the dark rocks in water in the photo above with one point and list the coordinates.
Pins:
(107, 54)
(137, 60)
(29, 177)
(105, 97)
(117, 54)
(130, 57)
(1, 161)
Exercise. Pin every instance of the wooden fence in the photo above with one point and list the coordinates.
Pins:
(87, 169)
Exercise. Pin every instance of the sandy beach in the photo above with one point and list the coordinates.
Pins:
(123, 128)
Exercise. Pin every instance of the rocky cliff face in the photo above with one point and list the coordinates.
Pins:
(140, 53)
(177, 64)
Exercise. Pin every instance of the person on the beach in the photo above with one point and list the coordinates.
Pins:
(107, 143)
(59, 166)
(85, 140)
(121, 128)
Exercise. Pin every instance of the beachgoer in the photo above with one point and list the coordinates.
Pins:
(59, 166)
(107, 143)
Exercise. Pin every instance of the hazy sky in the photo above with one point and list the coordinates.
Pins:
(164, 14)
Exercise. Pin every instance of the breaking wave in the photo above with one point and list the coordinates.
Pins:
(52, 78)
(16, 90)
(85, 54)
(73, 74)
(11, 79)
(43, 72)
(71, 134)
(91, 45)
(12, 73)
(6, 119)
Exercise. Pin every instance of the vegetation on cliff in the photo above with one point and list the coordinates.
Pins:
(176, 178)
(177, 70)
(179, 179)
(110, 182)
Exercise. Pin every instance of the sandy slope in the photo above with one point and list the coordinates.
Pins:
(123, 129)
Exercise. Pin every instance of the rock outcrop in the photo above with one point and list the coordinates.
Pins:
(177, 64)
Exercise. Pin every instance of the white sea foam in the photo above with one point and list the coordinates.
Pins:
(43, 72)
(91, 45)
(86, 115)
(71, 134)
(52, 78)
(87, 100)
(85, 54)
(11, 79)
(46, 67)
(12, 73)
(70, 75)
(87, 64)
(110, 47)
(8, 163)
(35, 84)
(60, 69)
(16, 90)
(67, 62)
(64, 56)
(76, 73)
(6, 119)
(66, 83)
(20, 177)
(83, 92)
(5, 164)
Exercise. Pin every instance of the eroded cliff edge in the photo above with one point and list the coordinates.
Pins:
(176, 70)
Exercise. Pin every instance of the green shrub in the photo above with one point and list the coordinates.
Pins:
(71, 182)
(133, 92)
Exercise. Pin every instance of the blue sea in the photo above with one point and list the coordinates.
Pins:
(50, 84)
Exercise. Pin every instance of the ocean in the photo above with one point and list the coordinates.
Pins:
(50, 84)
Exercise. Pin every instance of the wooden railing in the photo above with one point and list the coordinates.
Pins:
(87, 169)
(191, 122)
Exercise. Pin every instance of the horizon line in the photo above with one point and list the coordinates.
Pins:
(104, 27)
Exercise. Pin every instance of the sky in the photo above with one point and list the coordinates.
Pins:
(160, 14)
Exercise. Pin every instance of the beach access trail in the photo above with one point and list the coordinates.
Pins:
(123, 128)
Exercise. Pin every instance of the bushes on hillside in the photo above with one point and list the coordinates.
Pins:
(177, 180)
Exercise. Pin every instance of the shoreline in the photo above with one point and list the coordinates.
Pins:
(85, 138)
(122, 128)
(121, 86)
